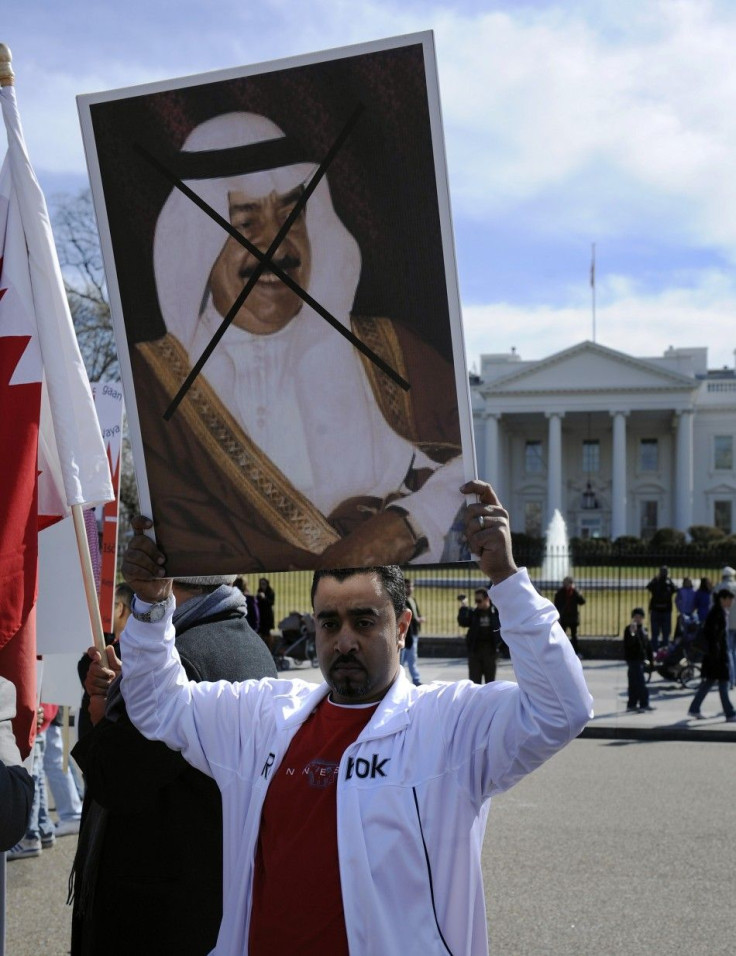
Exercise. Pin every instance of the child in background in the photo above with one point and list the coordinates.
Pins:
(637, 650)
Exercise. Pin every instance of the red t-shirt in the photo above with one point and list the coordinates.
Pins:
(297, 900)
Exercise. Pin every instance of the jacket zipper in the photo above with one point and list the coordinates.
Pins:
(429, 871)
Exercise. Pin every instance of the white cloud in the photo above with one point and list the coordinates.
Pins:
(633, 322)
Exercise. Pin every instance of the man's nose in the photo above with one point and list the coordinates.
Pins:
(345, 640)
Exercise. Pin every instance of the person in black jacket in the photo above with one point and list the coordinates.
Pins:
(567, 601)
(484, 631)
(637, 651)
(150, 847)
(714, 668)
(16, 784)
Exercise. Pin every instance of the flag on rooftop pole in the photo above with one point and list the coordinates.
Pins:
(54, 456)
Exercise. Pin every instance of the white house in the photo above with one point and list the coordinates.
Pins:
(620, 445)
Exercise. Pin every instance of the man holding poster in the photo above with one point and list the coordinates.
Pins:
(358, 806)
(286, 308)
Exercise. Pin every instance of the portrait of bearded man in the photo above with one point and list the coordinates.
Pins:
(291, 449)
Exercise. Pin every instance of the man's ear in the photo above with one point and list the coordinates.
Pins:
(403, 627)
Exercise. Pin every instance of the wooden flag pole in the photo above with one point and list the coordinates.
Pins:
(90, 588)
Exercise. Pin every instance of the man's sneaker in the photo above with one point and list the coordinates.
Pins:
(731, 719)
(25, 848)
(697, 716)
(649, 708)
(67, 827)
(632, 710)
(47, 840)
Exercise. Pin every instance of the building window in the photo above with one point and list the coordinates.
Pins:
(722, 515)
(648, 523)
(533, 464)
(723, 452)
(591, 456)
(649, 454)
(591, 527)
(533, 518)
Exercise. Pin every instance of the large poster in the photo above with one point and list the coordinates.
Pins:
(278, 248)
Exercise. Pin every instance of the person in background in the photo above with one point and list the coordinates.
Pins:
(410, 651)
(568, 600)
(484, 628)
(63, 786)
(151, 840)
(266, 599)
(40, 832)
(728, 580)
(637, 653)
(661, 589)
(16, 784)
(252, 615)
(703, 599)
(714, 669)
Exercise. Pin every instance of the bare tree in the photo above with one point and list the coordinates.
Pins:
(78, 246)
(80, 258)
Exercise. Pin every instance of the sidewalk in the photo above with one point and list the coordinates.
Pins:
(607, 683)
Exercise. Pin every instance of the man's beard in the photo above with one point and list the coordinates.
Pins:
(356, 683)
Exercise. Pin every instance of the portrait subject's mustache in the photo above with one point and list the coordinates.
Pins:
(284, 263)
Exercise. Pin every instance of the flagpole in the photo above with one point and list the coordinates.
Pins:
(88, 574)
(592, 284)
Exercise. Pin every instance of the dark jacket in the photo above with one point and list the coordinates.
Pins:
(703, 603)
(637, 646)
(151, 838)
(567, 604)
(16, 784)
(715, 657)
(662, 591)
(470, 617)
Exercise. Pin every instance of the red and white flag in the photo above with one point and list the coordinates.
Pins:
(53, 453)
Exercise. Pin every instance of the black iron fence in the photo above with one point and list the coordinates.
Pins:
(611, 587)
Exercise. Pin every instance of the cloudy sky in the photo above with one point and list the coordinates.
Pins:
(567, 123)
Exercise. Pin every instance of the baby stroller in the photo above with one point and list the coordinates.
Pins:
(680, 661)
(297, 641)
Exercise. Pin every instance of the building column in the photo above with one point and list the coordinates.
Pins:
(554, 464)
(684, 470)
(492, 469)
(618, 475)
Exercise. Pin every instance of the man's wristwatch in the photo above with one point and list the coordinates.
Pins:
(155, 612)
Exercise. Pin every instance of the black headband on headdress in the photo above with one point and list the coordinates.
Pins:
(237, 160)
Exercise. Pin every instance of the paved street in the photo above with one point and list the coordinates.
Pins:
(616, 846)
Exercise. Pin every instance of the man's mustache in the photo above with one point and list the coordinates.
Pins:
(346, 660)
(284, 263)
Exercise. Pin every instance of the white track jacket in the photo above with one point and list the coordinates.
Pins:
(413, 791)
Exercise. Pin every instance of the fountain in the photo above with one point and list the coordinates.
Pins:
(556, 563)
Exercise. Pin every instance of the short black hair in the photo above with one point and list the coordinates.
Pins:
(124, 592)
(390, 575)
(483, 591)
(725, 593)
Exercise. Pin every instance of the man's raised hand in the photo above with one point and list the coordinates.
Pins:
(143, 564)
(488, 533)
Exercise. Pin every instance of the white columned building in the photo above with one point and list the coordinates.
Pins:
(621, 445)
